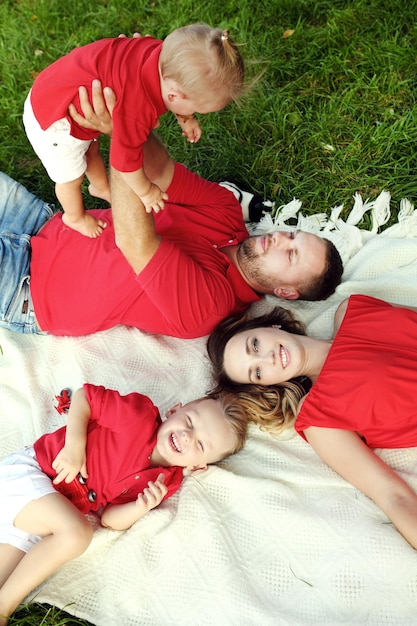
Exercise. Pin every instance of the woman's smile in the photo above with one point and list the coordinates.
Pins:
(285, 356)
(263, 356)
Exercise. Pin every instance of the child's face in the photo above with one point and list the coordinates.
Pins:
(181, 105)
(177, 102)
(195, 434)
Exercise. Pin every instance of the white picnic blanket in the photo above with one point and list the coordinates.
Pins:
(271, 536)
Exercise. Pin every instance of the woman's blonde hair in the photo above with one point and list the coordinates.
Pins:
(272, 408)
(203, 60)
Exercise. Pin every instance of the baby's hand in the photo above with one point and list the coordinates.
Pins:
(154, 199)
(68, 463)
(191, 129)
(86, 224)
(153, 494)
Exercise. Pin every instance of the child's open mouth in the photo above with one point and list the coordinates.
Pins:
(175, 443)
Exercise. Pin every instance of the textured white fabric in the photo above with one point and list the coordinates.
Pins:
(271, 536)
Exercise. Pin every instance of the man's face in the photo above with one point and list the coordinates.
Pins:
(281, 262)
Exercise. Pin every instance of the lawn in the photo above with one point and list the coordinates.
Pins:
(332, 111)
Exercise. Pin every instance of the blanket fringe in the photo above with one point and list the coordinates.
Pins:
(346, 235)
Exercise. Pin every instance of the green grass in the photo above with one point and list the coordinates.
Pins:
(334, 111)
(34, 614)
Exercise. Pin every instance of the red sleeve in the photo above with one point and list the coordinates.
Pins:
(117, 412)
(126, 148)
(173, 479)
(189, 189)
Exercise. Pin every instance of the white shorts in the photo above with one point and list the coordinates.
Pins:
(21, 482)
(62, 155)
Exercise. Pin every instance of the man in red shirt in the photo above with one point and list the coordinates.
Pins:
(176, 273)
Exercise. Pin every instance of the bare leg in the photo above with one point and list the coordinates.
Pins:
(67, 534)
(70, 197)
(9, 560)
(96, 173)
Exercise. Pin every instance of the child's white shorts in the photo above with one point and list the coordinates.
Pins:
(62, 155)
(21, 482)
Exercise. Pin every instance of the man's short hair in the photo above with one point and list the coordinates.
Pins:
(322, 286)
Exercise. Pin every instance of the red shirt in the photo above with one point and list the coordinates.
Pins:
(130, 68)
(81, 285)
(121, 437)
(369, 380)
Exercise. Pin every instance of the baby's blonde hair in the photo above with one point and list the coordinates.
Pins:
(203, 60)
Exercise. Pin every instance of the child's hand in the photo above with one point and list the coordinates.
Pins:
(68, 463)
(153, 494)
(191, 129)
(154, 199)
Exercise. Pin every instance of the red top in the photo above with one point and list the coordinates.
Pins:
(130, 68)
(121, 437)
(369, 380)
(81, 285)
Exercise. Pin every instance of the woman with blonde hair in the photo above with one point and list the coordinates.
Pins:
(273, 407)
(362, 395)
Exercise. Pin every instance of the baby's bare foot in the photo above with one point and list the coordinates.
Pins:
(86, 225)
(104, 194)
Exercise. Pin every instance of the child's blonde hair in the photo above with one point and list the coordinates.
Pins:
(203, 60)
(235, 415)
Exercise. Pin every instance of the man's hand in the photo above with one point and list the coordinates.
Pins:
(97, 116)
(134, 36)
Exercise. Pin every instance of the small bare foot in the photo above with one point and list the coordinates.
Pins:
(104, 194)
(86, 225)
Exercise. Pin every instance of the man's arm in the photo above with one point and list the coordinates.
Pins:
(150, 194)
(135, 231)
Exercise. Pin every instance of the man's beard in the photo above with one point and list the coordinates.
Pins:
(250, 263)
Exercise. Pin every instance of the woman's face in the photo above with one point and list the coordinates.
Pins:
(264, 356)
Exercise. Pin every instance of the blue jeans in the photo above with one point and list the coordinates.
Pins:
(21, 216)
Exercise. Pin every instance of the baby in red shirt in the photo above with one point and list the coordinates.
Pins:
(196, 68)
